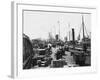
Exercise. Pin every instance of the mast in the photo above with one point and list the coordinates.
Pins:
(59, 29)
(54, 30)
(83, 27)
(69, 31)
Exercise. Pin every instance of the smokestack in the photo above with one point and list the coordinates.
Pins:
(57, 37)
(73, 35)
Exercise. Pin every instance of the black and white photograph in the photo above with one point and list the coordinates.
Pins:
(56, 39)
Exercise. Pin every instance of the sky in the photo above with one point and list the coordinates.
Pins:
(38, 24)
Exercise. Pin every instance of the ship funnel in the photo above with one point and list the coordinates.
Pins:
(73, 35)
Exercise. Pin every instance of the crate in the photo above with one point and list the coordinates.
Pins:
(58, 63)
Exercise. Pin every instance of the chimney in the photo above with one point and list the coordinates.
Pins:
(73, 35)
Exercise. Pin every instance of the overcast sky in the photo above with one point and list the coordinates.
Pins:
(39, 24)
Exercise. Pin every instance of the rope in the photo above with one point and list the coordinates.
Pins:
(79, 31)
(86, 31)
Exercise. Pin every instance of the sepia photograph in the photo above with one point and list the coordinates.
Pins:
(56, 39)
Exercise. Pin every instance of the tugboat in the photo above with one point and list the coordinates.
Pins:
(81, 50)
